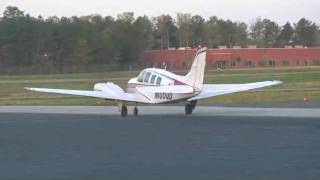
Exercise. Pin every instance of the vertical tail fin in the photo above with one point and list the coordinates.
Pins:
(195, 76)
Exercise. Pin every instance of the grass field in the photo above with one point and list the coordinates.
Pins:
(298, 84)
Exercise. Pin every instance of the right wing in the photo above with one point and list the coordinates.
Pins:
(211, 90)
(120, 95)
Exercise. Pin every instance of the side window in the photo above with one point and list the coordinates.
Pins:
(159, 79)
(153, 78)
(141, 75)
(146, 78)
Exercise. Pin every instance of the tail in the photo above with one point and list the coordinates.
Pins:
(195, 76)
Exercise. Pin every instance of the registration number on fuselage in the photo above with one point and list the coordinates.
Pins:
(163, 96)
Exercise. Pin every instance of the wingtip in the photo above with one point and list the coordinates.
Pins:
(277, 82)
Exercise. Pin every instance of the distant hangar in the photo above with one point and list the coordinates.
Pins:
(233, 58)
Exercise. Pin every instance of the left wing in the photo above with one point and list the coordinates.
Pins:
(122, 96)
(211, 90)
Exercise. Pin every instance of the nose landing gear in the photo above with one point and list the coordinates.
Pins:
(135, 111)
(124, 111)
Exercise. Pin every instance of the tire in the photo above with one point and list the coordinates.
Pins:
(124, 111)
(193, 104)
(135, 111)
(188, 109)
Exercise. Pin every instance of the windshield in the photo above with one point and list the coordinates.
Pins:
(141, 75)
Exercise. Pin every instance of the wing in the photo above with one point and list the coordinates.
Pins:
(211, 90)
(119, 95)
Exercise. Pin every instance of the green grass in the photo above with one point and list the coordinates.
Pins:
(298, 83)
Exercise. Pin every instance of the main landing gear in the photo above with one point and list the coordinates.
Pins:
(190, 107)
(124, 111)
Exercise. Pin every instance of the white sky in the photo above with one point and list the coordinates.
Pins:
(242, 10)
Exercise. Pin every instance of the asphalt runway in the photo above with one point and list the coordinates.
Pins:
(86, 145)
(170, 110)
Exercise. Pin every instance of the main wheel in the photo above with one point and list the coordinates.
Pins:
(135, 111)
(193, 104)
(124, 111)
(188, 109)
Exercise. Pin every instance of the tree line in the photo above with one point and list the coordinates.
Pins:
(63, 44)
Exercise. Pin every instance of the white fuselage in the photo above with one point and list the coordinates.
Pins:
(161, 86)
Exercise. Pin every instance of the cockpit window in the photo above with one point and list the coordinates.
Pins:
(141, 75)
(153, 78)
(146, 78)
(159, 79)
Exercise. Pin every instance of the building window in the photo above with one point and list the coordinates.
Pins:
(221, 64)
(184, 64)
(285, 63)
(263, 63)
(238, 59)
(272, 63)
(248, 63)
(316, 62)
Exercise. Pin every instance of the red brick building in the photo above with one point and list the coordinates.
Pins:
(234, 58)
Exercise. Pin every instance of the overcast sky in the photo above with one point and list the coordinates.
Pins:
(241, 10)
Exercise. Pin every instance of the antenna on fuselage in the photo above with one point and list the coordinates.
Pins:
(164, 65)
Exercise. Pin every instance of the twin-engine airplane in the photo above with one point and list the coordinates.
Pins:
(157, 86)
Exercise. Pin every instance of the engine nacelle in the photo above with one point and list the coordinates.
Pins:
(109, 88)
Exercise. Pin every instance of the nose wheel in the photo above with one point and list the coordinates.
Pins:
(124, 111)
(135, 111)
